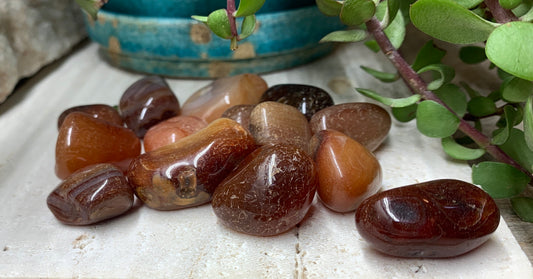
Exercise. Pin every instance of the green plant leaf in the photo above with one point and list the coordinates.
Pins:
(481, 106)
(357, 12)
(248, 7)
(401, 102)
(372, 45)
(472, 54)
(434, 120)
(517, 90)
(453, 97)
(469, 90)
(457, 151)
(395, 30)
(200, 18)
(329, 7)
(499, 180)
(523, 207)
(509, 4)
(469, 4)
(382, 76)
(218, 22)
(247, 27)
(449, 21)
(393, 6)
(404, 114)
(446, 74)
(517, 149)
(510, 116)
(91, 7)
(428, 54)
(345, 36)
(509, 47)
(528, 122)
(527, 16)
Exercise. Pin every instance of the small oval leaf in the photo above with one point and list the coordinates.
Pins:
(523, 207)
(499, 180)
(528, 122)
(509, 47)
(481, 106)
(401, 102)
(329, 7)
(434, 120)
(509, 4)
(446, 74)
(517, 148)
(248, 7)
(427, 55)
(218, 22)
(468, 3)
(247, 27)
(345, 36)
(385, 77)
(405, 114)
(453, 97)
(357, 12)
(457, 151)
(517, 90)
(472, 54)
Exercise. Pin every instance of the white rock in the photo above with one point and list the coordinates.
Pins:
(34, 33)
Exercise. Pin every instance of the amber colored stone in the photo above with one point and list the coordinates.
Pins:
(210, 102)
(240, 113)
(186, 173)
(84, 140)
(434, 219)
(100, 111)
(347, 171)
(367, 123)
(306, 98)
(90, 195)
(171, 130)
(147, 102)
(269, 193)
(273, 122)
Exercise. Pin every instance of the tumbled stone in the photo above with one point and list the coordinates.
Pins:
(367, 123)
(240, 113)
(210, 102)
(306, 98)
(90, 195)
(269, 193)
(100, 111)
(84, 140)
(273, 122)
(347, 171)
(147, 102)
(171, 130)
(434, 219)
(186, 173)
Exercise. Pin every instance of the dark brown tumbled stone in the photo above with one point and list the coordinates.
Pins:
(240, 113)
(269, 193)
(434, 219)
(367, 123)
(306, 98)
(90, 195)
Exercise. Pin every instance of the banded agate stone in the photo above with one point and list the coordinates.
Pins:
(433, 219)
(171, 130)
(99, 111)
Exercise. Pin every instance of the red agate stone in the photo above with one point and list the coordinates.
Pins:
(171, 130)
(269, 193)
(434, 219)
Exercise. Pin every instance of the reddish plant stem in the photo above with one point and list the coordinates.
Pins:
(419, 86)
(230, 9)
(500, 14)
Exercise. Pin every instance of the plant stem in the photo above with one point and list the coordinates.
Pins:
(230, 9)
(419, 86)
(500, 14)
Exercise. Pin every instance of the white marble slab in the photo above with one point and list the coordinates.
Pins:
(191, 243)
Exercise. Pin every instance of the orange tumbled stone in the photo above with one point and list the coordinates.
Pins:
(210, 102)
(171, 130)
(84, 140)
(347, 171)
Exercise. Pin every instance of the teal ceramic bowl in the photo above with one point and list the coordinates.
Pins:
(182, 47)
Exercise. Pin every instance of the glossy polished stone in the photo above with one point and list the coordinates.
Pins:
(240, 113)
(84, 140)
(347, 171)
(367, 123)
(210, 102)
(171, 130)
(434, 219)
(147, 102)
(100, 111)
(306, 98)
(273, 122)
(90, 195)
(269, 193)
(186, 173)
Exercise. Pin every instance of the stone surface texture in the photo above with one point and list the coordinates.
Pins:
(34, 33)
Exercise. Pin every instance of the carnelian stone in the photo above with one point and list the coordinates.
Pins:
(186, 173)
(210, 102)
(240, 113)
(171, 130)
(147, 102)
(367, 123)
(84, 140)
(434, 219)
(100, 111)
(90, 195)
(347, 171)
(269, 193)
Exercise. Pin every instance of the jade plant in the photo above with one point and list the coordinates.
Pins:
(500, 31)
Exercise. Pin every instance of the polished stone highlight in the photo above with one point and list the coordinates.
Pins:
(269, 193)
(433, 219)
(99, 111)
(171, 130)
